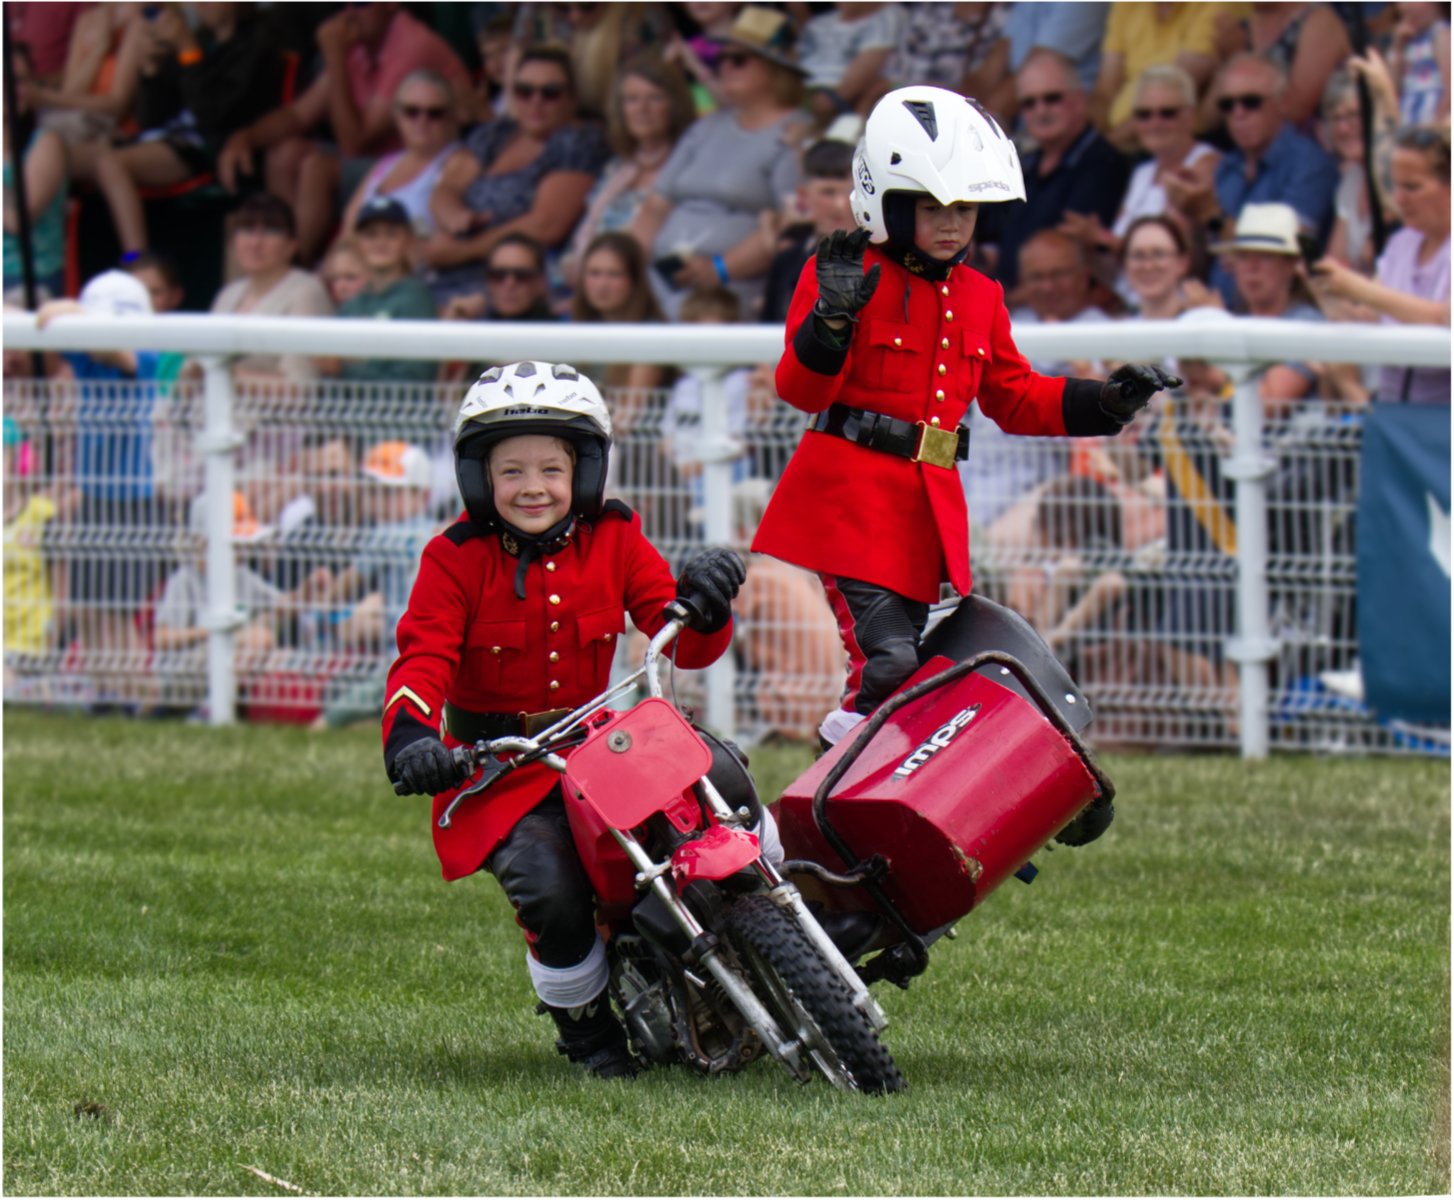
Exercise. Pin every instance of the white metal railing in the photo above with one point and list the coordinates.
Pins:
(1235, 344)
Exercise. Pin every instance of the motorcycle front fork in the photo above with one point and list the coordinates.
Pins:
(784, 893)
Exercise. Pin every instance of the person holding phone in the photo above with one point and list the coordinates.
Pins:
(701, 225)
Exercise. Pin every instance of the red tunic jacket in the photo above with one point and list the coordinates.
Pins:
(467, 638)
(921, 351)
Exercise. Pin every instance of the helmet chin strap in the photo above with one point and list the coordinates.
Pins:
(529, 546)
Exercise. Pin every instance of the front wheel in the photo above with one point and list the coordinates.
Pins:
(808, 997)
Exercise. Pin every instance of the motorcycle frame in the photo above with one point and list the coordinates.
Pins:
(705, 948)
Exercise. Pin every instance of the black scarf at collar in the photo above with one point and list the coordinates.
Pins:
(915, 262)
(529, 546)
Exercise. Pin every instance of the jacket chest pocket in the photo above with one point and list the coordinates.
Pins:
(896, 353)
(977, 358)
(597, 633)
(491, 649)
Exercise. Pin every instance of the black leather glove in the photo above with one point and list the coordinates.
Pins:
(426, 767)
(710, 579)
(843, 288)
(1130, 388)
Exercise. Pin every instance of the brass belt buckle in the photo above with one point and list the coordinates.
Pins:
(533, 723)
(937, 446)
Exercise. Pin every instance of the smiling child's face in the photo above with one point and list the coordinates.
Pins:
(942, 231)
(531, 476)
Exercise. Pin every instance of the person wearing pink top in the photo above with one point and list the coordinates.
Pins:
(367, 50)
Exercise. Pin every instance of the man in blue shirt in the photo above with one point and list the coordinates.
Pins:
(1073, 169)
(1269, 162)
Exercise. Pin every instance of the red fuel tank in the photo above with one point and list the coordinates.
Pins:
(957, 790)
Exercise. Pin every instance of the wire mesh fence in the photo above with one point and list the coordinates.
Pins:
(1122, 552)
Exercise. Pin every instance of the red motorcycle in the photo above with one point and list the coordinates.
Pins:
(714, 957)
(717, 953)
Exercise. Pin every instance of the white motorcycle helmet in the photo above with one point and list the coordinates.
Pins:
(930, 140)
(532, 397)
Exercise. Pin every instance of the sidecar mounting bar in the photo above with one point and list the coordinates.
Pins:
(862, 872)
(866, 733)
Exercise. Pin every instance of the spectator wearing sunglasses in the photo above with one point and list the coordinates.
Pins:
(701, 226)
(1073, 170)
(515, 288)
(1269, 162)
(1164, 113)
(367, 50)
(529, 172)
(424, 116)
(1138, 35)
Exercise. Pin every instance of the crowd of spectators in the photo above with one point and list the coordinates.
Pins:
(677, 162)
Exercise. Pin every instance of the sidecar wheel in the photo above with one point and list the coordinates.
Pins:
(808, 997)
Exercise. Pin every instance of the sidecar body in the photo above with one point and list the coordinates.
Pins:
(973, 766)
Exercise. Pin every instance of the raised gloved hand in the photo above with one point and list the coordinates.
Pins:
(426, 767)
(1130, 388)
(710, 579)
(843, 288)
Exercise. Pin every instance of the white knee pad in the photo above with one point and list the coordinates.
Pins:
(570, 987)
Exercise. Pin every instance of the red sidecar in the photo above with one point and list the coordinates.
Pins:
(953, 784)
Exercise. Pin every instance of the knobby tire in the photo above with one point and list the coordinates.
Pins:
(756, 923)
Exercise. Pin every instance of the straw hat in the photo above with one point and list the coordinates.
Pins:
(1270, 228)
(767, 33)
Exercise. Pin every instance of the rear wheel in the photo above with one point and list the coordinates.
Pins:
(808, 997)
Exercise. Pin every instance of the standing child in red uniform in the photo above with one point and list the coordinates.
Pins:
(888, 361)
(512, 622)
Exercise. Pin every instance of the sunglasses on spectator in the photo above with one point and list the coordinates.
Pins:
(1048, 99)
(546, 91)
(511, 274)
(420, 112)
(1166, 114)
(734, 59)
(1252, 102)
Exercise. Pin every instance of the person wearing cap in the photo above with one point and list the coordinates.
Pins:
(701, 225)
(113, 471)
(890, 338)
(378, 581)
(180, 628)
(385, 239)
(1264, 262)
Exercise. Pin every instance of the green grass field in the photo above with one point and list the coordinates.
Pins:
(232, 949)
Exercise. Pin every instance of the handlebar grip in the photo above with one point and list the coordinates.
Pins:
(464, 762)
(690, 610)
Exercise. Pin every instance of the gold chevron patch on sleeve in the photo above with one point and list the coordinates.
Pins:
(407, 693)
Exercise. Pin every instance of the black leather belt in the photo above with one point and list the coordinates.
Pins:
(482, 726)
(917, 441)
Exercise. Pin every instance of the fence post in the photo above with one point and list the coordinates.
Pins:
(218, 441)
(717, 452)
(1253, 647)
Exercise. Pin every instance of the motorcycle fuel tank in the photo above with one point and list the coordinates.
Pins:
(958, 789)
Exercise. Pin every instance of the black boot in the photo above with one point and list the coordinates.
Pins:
(592, 1036)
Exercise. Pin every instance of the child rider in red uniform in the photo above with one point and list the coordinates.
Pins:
(511, 623)
(887, 361)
